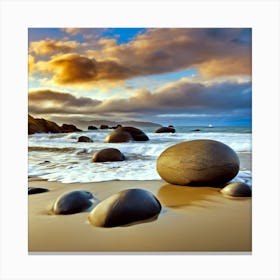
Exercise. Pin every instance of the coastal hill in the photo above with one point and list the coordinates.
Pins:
(45, 126)
(36, 125)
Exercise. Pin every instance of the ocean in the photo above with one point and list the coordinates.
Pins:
(59, 157)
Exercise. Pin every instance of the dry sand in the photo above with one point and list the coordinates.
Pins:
(193, 219)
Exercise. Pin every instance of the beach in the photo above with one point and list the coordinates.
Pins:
(192, 219)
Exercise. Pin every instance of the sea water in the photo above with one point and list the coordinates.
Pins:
(59, 157)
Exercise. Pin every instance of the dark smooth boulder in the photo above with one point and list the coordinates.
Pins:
(197, 163)
(195, 130)
(165, 130)
(91, 127)
(73, 202)
(118, 137)
(237, 189)
(104, 126)
(137, 134)
(84, 139)
(109, 154)
(124, 208)
(35, 190)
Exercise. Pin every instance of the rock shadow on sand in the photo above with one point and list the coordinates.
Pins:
(175, 196)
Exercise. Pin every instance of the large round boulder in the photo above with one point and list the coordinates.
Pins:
(109, 154)
(165, 130)
(84, 139)
(237, 189)
(136, 134)
(118, 137)
(73, 202)
(124, 208)
(198, 162)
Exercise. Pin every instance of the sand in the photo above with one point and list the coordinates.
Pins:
(193, 219)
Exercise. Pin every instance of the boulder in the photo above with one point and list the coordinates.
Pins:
(35, 190)
(84, 139)
(136, 134)
(69, 128)
(104, 126)
(124, 208)
(109, 154)
(118, 137)
(165, 130)
(195, 130)
(72, 202)
(198, 162)
(237, 189)
(91, 127)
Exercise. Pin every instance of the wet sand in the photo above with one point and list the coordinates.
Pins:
(193, 219)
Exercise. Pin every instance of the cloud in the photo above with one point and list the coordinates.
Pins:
(215, 52)
(180, 97)
(49, 46)
(72, 69)
(51, 102)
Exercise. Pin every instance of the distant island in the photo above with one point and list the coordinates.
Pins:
(40, 125)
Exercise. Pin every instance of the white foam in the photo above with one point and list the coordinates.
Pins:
(74, 165)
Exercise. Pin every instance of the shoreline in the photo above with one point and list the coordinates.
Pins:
(192, 220)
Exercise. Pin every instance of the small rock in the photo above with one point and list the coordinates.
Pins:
(165, 130)
(91, 127)
(109, 154)
(104, 126)
(35, 190)
(237, 189)
(125, 207)
(84, 139)
(73, 202)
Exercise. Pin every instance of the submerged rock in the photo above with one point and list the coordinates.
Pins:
(125, 207)
(165, 130)
(35, 190)
(72, 202)
(237, 189)
(109, 154)
(84, 139)
(91, 127)
(198, 162)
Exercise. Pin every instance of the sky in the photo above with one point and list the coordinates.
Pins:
(179, 76)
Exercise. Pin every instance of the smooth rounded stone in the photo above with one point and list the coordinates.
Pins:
(198, 163)
(109, 154)
(137, 134)
(124, 208)
(118, 137)
(72, 202)
(35, 190)
(91, 127)
(84, 139)
(237, 189)
(165, 130)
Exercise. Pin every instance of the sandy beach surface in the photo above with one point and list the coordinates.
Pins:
(193, 219)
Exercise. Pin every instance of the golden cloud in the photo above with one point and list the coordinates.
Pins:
(214, 52)
(48, 46)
